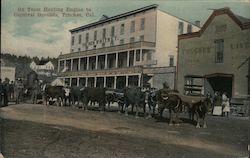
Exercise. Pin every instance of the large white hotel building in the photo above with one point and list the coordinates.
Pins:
(134, 48)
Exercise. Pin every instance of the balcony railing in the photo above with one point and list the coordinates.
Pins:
(146, 63)
(114, 71)
(109, 49)
(119, 71)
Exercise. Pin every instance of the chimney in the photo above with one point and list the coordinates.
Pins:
(197, 23)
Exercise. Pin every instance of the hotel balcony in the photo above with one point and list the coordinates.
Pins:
(135, 45)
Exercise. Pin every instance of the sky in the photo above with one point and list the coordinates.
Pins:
(49, 36)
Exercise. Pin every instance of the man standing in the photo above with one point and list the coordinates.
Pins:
(18, 90)
(6, 91)
(35, 91)
(1, 92)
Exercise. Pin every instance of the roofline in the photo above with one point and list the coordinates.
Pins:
(116, 17)
(178, 18)
(216, 12)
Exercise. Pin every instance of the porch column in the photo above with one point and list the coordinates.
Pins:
(78, 80)
(65, 64)
(87, 63)
(104, 81)
(79, 64)
(134, 56)
(126, 81)
(71, 65)
(106, 61)
(96, 62)
(70, 81)
(58, 66)
(95, 81)
(140, 55)
(86, 82)
(115, 78)
(139, 80)
(128, 59)
(116, 60)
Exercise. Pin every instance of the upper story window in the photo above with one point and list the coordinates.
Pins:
(112, 31)
(189, 28)
(219, 50)
(171, 60)
(104, 33)
(142, 27)
(95, 35)
(122, 29)
(87, 37)
(72, 40)
(132, 39)
(122, 41)
(180, 28)
(79, 39)
(132, 26)
(142, 38)
(111, 42)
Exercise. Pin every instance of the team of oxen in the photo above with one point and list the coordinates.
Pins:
(134, 97)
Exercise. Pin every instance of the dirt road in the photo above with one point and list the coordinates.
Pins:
(47, 131)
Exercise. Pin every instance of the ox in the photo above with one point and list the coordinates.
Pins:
(54, 92)
(93, 94)
(135, 97)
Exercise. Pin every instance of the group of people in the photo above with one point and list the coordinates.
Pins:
(14, 91)
(221, 104)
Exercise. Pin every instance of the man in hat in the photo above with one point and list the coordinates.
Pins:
(18, 89)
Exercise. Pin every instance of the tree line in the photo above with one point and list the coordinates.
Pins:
(22, 63)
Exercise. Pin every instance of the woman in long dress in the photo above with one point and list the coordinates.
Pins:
(225, 105)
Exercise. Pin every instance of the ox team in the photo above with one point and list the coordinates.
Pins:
(136, 97)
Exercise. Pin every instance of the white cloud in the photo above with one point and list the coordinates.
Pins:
(36, 45)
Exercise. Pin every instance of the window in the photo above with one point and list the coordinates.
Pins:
(142, 38)
(103, 44)
(149, 56)
(132, 39)
(112, 31)
(95, 35)
(103, 33)
(142, 24)
(111, 42)
(132, 26)
(72, 50)
(122, 29)
(189, 28)
(121, 41)
(72, 40)
(79, 39)
(94, 47)
(87, 37)
(86, 47)
(79, 49)
(180, 29)
(171, 60)
(219, 49)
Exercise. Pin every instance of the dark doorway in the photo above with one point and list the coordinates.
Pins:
(221, 83)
